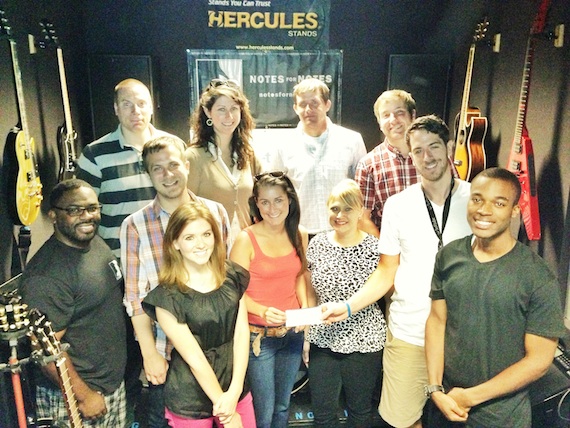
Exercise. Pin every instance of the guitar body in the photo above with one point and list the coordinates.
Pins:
(28, 185)
(469, 157)
(521, 163)
(470, 126)
(10, 173)
(66, 149)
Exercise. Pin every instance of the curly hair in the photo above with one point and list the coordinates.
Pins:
(202, 134)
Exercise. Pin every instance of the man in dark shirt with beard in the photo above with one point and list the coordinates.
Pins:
(75, 280)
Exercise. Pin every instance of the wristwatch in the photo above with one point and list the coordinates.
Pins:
(430, 389)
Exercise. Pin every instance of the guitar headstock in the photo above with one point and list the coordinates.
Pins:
(14, 319)
(41, 328)
(49, 36)
(540, 19)
(5, 29)
(481, 30)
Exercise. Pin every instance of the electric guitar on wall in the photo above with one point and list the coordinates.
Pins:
(24, 187)
(43, 332)
(521, 158)
(470, 126)
(66, 135)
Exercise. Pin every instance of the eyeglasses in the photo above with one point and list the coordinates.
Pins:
(74, 211)
(274, 174)
(214, 83)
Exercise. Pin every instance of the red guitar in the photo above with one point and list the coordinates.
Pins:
(521, 159)
(66, 135)
(470, 127)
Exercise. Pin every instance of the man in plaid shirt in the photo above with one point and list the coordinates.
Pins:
(387, 169)
(141, 239)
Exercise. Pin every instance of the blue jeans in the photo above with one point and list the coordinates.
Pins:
(155, 407)
(272, 375)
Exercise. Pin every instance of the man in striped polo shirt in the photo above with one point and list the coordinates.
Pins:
(112, 165)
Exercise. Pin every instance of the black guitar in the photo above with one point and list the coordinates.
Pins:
(66, 135)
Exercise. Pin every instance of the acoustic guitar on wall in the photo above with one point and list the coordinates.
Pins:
(24, 188)
(521, 157)
(470, 127)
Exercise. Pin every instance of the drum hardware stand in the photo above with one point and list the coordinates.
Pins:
(13, 326)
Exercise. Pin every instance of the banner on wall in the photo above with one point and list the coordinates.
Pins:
(267, 79)
(266, 24)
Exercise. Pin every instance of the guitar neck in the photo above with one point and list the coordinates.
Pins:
(467, 88)
(19, 91)
(75, 420)
(525, 87)
(64, 92)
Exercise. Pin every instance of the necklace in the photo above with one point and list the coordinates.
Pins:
(432, 216)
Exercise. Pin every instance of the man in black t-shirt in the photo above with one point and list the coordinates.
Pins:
(495, 318)
(75, 280)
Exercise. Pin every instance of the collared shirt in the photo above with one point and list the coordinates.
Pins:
(141, 239)
(316, 165)
(383, 172)
(115, 171)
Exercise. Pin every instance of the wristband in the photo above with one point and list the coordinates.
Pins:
(348, 309)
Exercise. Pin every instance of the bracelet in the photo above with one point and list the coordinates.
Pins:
(348, 309)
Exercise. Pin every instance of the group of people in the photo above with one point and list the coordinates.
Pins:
(207, 249)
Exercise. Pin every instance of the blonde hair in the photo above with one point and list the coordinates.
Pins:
(348, 192)
(393, 94)
(311, 85)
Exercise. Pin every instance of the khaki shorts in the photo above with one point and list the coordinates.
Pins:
(405, 375)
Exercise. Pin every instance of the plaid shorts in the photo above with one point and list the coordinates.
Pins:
(51, 405)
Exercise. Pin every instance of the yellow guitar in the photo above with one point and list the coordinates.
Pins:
(26, 192)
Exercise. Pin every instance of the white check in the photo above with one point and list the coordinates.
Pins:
(306, 316)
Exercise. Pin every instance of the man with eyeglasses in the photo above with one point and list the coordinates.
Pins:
(319, 155)
(75, 280)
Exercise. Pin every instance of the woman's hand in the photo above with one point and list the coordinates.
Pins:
(225, 407)
(274, 316)
(233, 422)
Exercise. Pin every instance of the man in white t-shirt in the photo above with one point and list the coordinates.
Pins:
(416, 223)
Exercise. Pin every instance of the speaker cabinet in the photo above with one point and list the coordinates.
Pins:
(426, 77)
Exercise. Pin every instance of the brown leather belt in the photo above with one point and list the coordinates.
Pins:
(269, 331)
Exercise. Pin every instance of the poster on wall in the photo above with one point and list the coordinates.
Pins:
(267, 79)
(265, 24)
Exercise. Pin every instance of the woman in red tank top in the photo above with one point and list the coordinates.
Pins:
(273, 250)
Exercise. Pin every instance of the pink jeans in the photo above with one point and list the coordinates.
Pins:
(244, 408)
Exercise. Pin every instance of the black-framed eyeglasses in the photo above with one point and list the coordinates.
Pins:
(214, 83)
(274, 174)
(76, 211)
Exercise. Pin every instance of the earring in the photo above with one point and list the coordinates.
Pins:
(209, 121)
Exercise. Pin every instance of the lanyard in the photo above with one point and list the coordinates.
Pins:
(445, 214)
